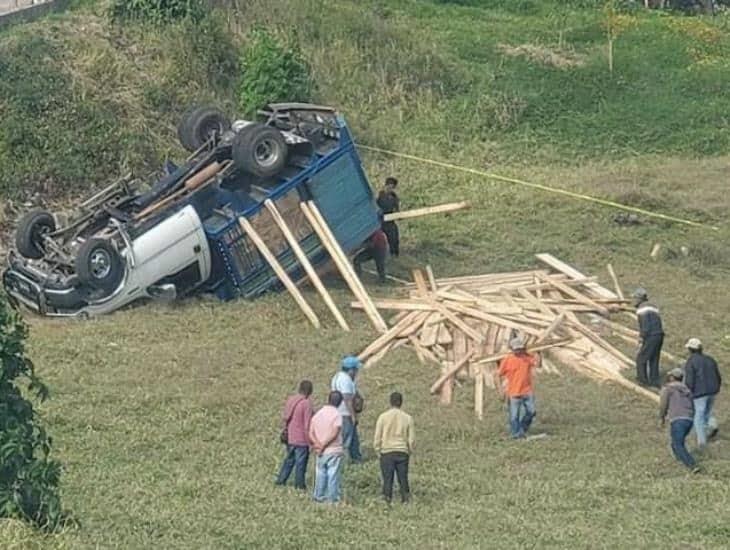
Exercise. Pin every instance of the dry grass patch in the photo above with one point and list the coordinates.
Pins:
(544, 55)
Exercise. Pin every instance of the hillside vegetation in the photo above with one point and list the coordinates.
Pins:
(165, 417)
(488, 83)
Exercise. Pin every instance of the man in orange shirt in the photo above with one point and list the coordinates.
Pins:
(517, 368)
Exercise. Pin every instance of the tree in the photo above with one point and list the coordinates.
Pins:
(28, 477)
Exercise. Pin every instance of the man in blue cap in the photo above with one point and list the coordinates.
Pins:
(344, 382)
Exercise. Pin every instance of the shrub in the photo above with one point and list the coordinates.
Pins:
(156, 11)
(272, 71)
(28, 478)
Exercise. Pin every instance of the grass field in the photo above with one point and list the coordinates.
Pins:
(165, 417)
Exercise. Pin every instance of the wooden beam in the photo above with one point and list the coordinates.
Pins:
(328, 240)
(479, 393)
(553, 326)
(431, 278)
(451, 371)
(382, 340)
(279, 270)
(612, 273)
(573, 273)
(533, 349)
(418, 212)
(306, 264)
(398, 305)
(575, 294)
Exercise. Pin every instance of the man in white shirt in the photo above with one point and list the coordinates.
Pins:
(344, 382)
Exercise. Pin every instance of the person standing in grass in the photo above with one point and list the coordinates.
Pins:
(675, 404)
(651, 334)
(389, 203)
(394, 440)
(516, 368)
(325, 437)
(702, 377)
(295, 420)
(345, 383)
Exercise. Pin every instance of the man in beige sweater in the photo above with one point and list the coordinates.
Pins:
(394, 439)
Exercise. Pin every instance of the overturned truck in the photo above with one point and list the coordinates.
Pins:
(182, 234)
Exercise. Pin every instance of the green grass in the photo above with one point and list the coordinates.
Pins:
(165, 418)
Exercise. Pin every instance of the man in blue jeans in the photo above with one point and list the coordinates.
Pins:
(345, 383)
(517, 369)
(325, 435)
(675, 404)
(295, 421)
(702, 377)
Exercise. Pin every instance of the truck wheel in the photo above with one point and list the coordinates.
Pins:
(99, 265)
(29, 235)
(260, 150)
(198, 124)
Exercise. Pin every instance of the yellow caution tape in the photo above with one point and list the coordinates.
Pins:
(547, 188)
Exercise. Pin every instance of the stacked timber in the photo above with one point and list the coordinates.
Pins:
(463, 325)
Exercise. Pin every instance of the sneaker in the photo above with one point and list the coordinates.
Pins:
(696, 470)
(713, 434)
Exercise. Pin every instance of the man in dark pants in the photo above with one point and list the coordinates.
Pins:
(295, 421)
(375, 248)
(652, 338)
(389, 203)
(394, 440)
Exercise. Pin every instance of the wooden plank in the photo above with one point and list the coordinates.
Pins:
(415, 326)
(418, 212)
(429, 334)
(377, 344)
(431, 279)
(588, 333)
(454, 320)
(420, 281)
(573, 273)
(552, 328)
(306, 264)
(501, 355)
(479, 394)
(444, 337)
(617, 286)
(537, 304)
(279, 270)
(478, 314)
(398, 305)
(318, 223)
(575, 294)
(449, 372)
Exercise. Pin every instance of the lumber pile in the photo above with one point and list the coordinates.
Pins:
(462, 325)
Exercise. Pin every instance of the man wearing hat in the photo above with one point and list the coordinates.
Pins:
(675, 404)
(651, 334)
(702, 377)
(516, 368)
(344, 382)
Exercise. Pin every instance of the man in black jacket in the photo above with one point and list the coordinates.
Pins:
(652, 338)
(702, 377)
(389, 203)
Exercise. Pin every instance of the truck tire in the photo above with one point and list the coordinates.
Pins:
(198, 124)
(260, 150)
(29, 235)
(99, 265)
